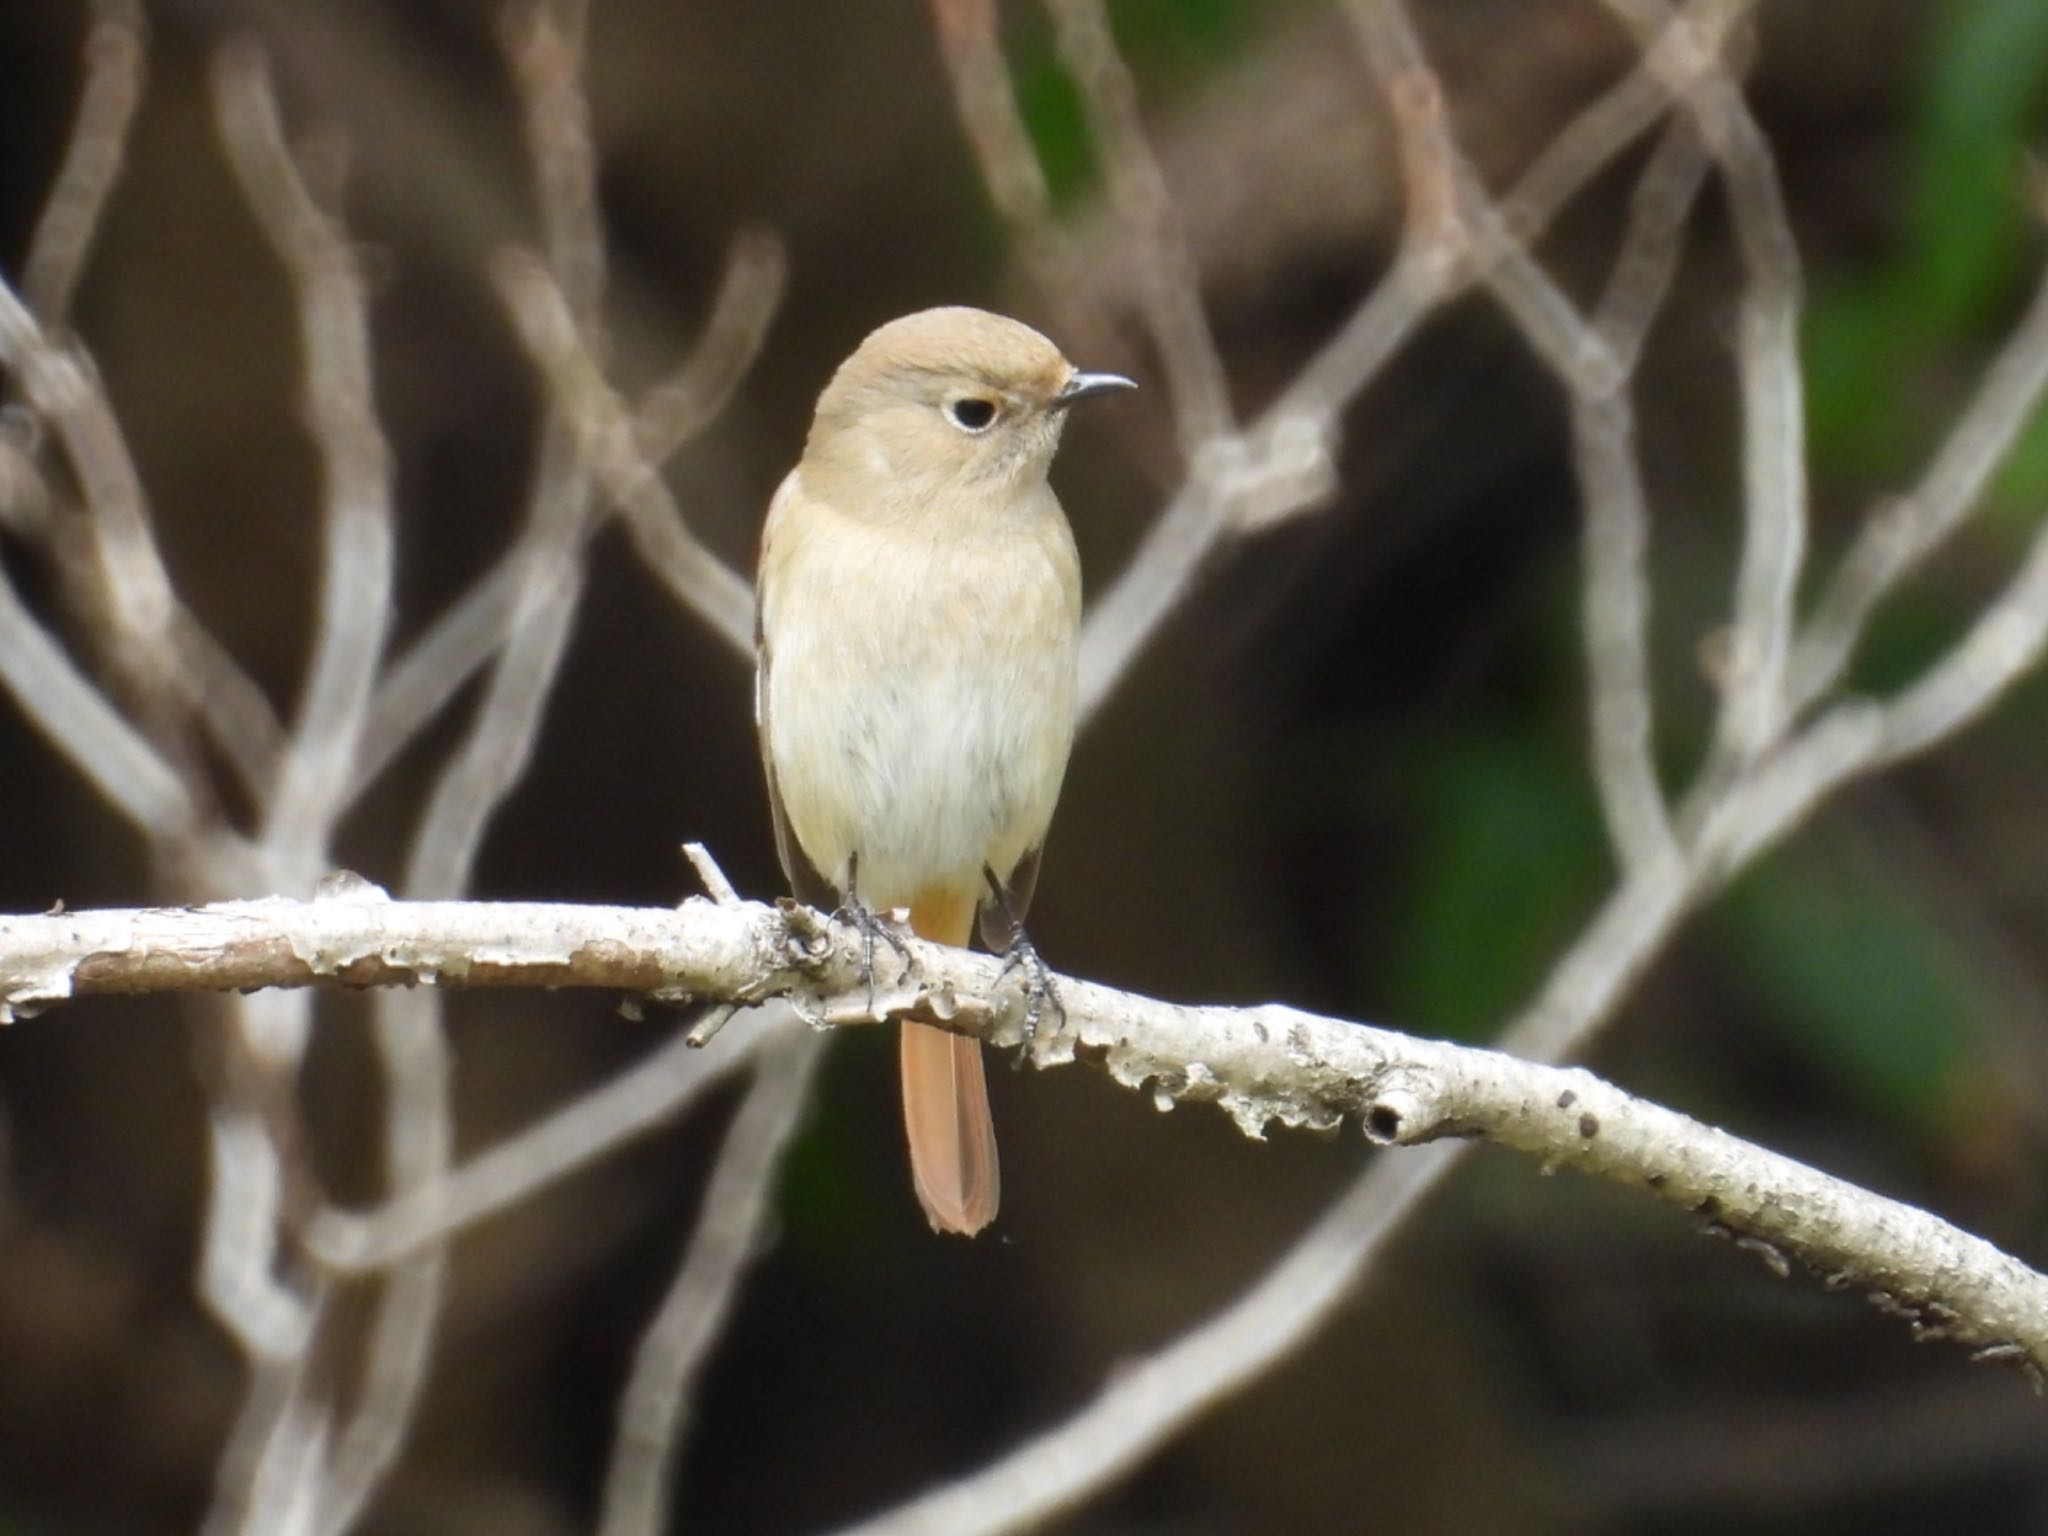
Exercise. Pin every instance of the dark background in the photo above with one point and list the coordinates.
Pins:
(1350, 776)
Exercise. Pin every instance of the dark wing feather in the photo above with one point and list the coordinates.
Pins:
(998, 932)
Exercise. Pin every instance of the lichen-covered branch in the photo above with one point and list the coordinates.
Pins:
(1263, 1065)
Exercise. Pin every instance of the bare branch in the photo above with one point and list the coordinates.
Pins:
(2002, 645)
(970, 40)
(654, 1410)
(1641, 279)
(244, 1195)
(1147, 1400)
(1860, 736)
(116, 62)
(494, 756)
(1755, 695)
(589, 1127)
(1169, 295)
(1263, 1065)
(1614, 547)
(673, 413)
(123, 581)
(356, 564)
(268, 1476)
(679, 409)
(1282, 465)
(114, 757)
(1615, 528)
(543, 40)
(609, 441)
(1901, 534)
(419, 1133)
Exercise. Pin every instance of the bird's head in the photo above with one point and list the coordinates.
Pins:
(946, 401)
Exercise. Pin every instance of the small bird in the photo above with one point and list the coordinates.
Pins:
(919, 602)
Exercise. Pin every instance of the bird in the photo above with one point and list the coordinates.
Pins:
(918, 610)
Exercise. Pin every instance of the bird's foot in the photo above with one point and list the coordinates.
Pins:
(1041, 996)
(871, 925)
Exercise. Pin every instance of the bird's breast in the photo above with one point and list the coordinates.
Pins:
(919, 700)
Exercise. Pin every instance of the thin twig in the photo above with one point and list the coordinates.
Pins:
(1901, 534)
(589, 1127)
(970, 42)
(1614, 545)
(609, 442)
(418, 1146)
(654, 1409)
(678, 409)
(354, 611)
(116, 63)
(1281, 465)
(1755, 700)
(111, 755)
(1615, 528)
(543, 42)
(121, 581)
(1169, 295)
(674, 412)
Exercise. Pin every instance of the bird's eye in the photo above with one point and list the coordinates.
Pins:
(972, 413)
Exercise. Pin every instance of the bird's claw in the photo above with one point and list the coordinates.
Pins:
(1041, 995)
(871, 925)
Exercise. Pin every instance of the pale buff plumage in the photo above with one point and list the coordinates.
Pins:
(919, 605)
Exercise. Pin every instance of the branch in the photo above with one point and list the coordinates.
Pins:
(654, 1410)
(357, 541)
(116, 60)
(1263, 1065)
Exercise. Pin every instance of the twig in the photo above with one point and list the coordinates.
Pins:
(116, 61)
(1281, 465)
(716, 885)
(654, 1410)
(609, 442)
(114, 757)
(354, 611)
(1169, 295)
(1614, 544)
(244, 1195)
(590, 1126)
(1755, 697)
(1901, 534)
(1615, 529)
(409, 1033)
(122, 581)
(679, 408)
(543, 41)
(673, 412)
(1147, 1400)
(419, 1135)
(1641, 277)
(970, 42)
(267, 1478)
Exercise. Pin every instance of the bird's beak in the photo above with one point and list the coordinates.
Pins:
(1086, 386)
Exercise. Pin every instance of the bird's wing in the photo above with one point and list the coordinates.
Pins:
(805, 883)
(998, 930)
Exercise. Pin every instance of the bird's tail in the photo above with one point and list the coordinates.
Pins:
(945, 1099)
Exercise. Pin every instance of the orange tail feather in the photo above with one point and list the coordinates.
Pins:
(945, 1099)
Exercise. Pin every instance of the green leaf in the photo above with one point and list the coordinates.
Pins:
(1873, 336)
(1856, 975)
(1510, 858)
(1987, 73)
